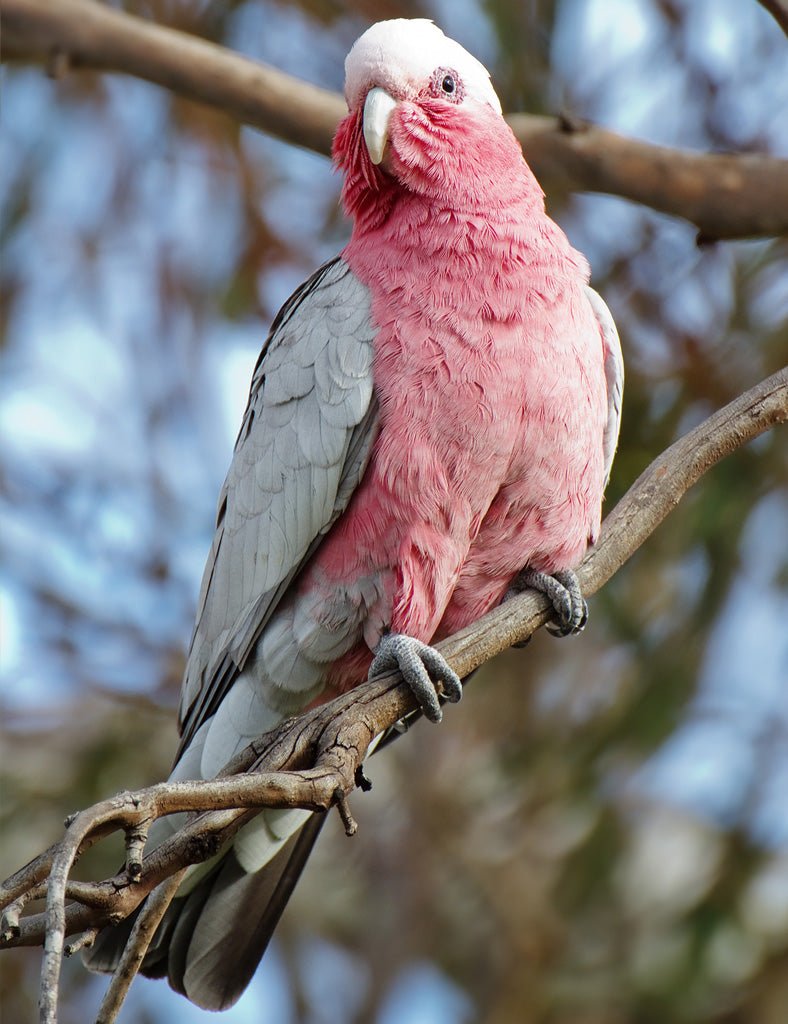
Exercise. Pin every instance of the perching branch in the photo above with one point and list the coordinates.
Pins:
(312, 761)
(725, 196)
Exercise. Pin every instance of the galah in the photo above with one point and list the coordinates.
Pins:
(432, 419)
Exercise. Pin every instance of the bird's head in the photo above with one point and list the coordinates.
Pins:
(423, 117)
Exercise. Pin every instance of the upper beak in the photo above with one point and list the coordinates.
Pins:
(378, 108)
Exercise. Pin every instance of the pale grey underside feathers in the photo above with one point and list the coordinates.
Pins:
(303, 446)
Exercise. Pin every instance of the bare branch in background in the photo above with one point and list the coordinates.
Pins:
(724, 196)
(311, 761)
(778, 10)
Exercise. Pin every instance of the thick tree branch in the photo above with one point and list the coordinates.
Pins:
(725, 196)
(715, 192)
(312, 761)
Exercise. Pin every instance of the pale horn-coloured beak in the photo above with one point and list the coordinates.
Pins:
(378, 107)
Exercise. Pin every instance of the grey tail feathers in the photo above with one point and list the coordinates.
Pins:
(210, 942)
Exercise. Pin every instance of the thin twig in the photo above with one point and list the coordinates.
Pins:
(136, 838)
(10, 919)
(137, 946)
(349, 823)
(725, 196)
(83, 941)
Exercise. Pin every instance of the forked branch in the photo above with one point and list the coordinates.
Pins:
(313, 761)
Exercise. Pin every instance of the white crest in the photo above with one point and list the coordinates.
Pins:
(400, 57)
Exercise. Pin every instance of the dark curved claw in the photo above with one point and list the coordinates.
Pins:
(424, 669)
(562, 589)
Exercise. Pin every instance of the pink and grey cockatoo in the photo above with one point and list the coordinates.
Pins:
(433, 417)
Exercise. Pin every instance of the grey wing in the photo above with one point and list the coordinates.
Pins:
(614, 376)
(303, 446)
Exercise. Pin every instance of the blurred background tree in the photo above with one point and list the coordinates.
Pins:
(622, 851)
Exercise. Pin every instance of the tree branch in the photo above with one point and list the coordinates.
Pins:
(311, 761)
(140, 938)
(725, 196)
(778, 10)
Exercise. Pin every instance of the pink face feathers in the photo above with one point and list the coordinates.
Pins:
(424, 122)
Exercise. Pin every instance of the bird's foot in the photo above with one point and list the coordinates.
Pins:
(562, 589)
(426, 672)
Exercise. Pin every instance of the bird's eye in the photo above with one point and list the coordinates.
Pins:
(447, 84)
